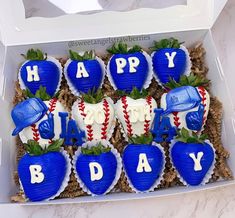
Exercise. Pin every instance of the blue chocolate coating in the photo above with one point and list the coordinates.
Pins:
(126, 81)
(194, 119)
(84, 84)
(142, 181)
(108, 162)
(27, 113)
(54, 169)
(160, 64)
(185, 164)
(182, 99)
(49, 75)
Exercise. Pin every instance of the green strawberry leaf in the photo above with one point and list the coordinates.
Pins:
(191, 80)
(93, 96)
(54, 146)
(40, 93)
(166, 43)
(122, 48)
(190, 137)
(36, 55)
(34, 148)
(88, 55)
(145, 139)
(95, 150)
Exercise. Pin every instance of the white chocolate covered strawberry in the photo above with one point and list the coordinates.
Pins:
(187, 103)
(136, 112)
(94, 114)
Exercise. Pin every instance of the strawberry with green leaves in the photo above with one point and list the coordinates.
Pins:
(129, 67)
(40, 70)
(44, 172)
(193, 157)
(135, 112)
(97, 167)
(94, 114)
(143, 163)
(170, 60)
(187, 102)
(84, 72)
(48, 128)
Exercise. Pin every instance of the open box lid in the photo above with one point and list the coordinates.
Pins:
(16, 29)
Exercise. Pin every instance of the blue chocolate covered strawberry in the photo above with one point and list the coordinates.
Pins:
(143, 163)
(170, 60)
(43, 173)
(40, 70)
(97, 168)
(193, 158)
(129, 68)
(84, 72)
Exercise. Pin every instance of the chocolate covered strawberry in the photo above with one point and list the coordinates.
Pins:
(170, 60)
(84, 72)
(143, 163)
(94, 114)
(135, 112)
(129, 67)
(193, 157)
(43, 173)
(97, 168)
(48, 127)
(187, 102)
(40, 70)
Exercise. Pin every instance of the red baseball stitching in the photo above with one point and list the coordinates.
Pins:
(147, 122)
(35, 132)
(176, 119)
(202, 93)
(106, 121)
(81, 107)
(52, 104)
(126, 116)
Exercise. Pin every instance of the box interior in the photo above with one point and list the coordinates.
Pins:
(8, 76)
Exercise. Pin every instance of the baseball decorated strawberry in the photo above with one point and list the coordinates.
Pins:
(170, 60)
(84, 72)
(187, 102)
(48, 127)
(143, 163)
(193, 157)
(40, 70)
(135, 112)
(44, 172)
(129, 68)
(97, 167)
(94, 114)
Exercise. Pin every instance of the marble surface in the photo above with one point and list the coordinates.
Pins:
(213, 203)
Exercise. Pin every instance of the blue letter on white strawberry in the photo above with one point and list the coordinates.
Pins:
(72, 132)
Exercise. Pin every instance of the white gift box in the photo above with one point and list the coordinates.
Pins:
(56, 35)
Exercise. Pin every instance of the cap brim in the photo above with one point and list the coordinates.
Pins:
(179, 109)
(29, 122)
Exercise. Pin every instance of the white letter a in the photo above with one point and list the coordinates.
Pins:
(143, 164)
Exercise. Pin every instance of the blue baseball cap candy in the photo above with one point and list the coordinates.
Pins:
(27, 113)
(181, 99)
